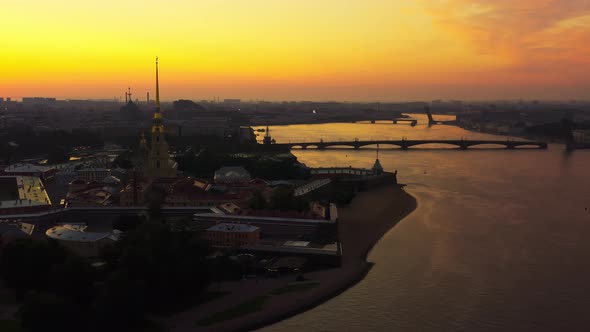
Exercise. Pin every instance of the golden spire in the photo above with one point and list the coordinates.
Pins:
(157, 125)
(157, 89)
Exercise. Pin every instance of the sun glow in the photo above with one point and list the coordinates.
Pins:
(258, 49)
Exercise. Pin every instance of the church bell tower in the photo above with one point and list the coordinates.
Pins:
(159, 163)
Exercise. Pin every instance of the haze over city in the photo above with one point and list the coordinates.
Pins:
(298, 50)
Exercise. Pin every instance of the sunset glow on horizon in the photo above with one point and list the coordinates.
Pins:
(297, 50)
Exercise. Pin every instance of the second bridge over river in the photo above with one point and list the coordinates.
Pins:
(405, 144)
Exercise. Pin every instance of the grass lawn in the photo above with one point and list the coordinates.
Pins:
(237, 311)
(204, 298)
(294, 288)
(9, 326)
(210, 296)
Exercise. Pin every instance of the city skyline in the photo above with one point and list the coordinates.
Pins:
(256, 50)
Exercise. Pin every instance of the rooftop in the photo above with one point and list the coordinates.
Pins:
(233, 228)
(26, 168)
(77, 232)
(94, 169)
(231, 174)
(258, 219)
(22, 191)
(12, 225)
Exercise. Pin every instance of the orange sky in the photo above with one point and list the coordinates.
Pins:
(297, 49)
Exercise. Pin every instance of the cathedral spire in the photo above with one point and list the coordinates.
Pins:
(157, 89)
(158, 158)
(157, 124)
(377, 152)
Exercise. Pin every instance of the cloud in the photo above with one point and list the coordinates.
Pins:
(533, 36)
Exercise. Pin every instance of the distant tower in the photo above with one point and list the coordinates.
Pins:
(377, 168)
(148, 98)
(158, 157)
(267, 139)
(143, 145)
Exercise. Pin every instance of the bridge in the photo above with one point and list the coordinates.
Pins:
(432, 121)
(405, 144)
(412, 121)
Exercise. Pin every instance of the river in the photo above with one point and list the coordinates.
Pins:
(500, 239)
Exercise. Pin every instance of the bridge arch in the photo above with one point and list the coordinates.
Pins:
(434, 144)
(529, 145)
(339, 145)
(485, 145)
(381, 144)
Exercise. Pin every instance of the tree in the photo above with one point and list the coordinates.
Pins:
(73, 280)
(6, 152)
(284, 199)
(155, 198)
(226, 269)
(120, 305)
(57, 155)
(123, 160)
(258, 201)
(49, 312)
(25, 264)
(172, 265)
(128, 222)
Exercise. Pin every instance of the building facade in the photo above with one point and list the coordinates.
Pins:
(93, 174)
(233, 236)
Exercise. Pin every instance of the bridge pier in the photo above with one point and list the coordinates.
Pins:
(463, 145)
(404, 145)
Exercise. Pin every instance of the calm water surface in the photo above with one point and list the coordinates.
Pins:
(500, 240)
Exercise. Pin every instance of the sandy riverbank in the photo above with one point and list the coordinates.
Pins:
(371, 214)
